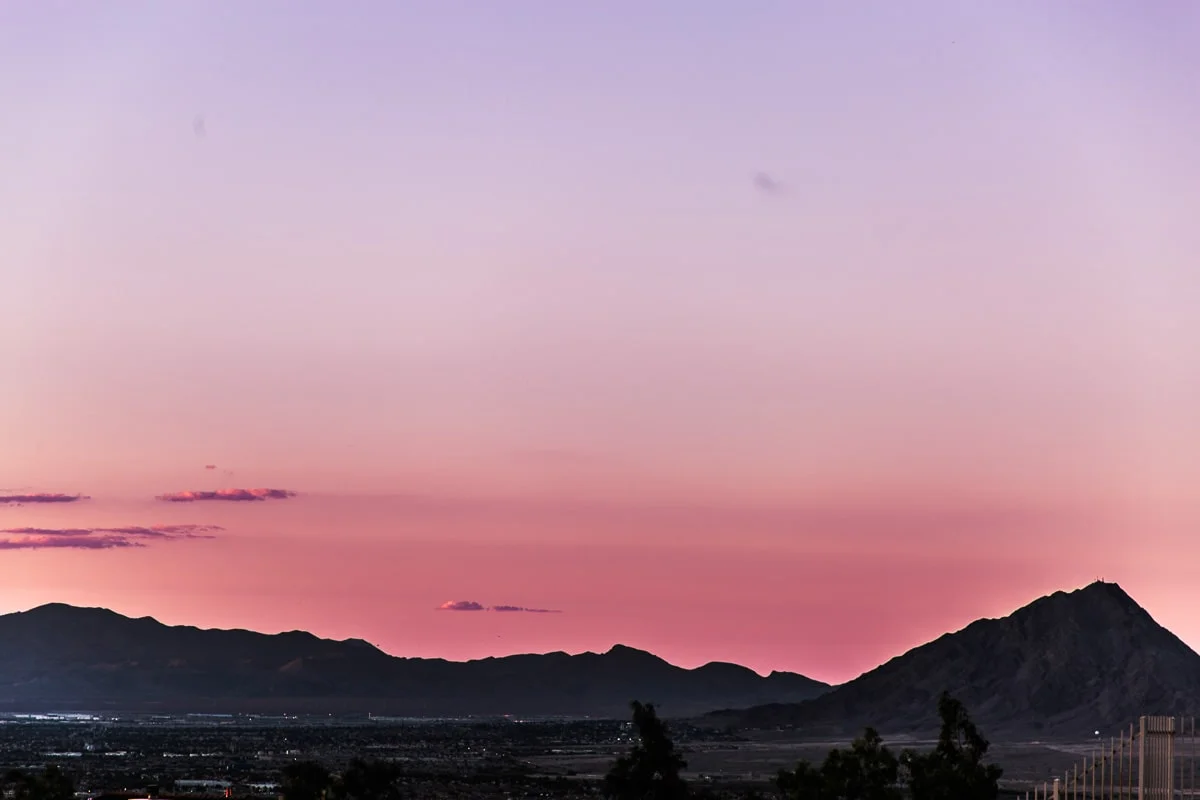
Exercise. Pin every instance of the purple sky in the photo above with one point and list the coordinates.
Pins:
(778, 257)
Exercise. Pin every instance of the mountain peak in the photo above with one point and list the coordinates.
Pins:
(67, 608)
(1086, 659)
(1097, 608)
(1097, 590)
(66, 612)
(1113, 592)
(627, 653)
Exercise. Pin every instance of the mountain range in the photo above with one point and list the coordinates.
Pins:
(64, 658)
(1067, 664)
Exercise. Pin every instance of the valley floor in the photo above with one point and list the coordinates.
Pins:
(446, 758)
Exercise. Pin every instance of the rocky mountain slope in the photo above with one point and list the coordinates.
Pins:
(1070, 663)
(58, 657)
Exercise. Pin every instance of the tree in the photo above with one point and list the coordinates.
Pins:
(954, 770)
(651, 770)
(52, 784)
(867, 771)
(368, 780)
(305, 780)
(805, 782)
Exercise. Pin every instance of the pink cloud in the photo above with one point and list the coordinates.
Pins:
(210, 466)
(471, 605)
(232, 495)
(166, 531)
(99, 538)
(77, 543)
(42, 497)
(526, 610)
(461, 605)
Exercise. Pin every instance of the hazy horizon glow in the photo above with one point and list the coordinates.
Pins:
(708, 326)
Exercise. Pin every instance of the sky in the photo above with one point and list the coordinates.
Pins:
(788, 334)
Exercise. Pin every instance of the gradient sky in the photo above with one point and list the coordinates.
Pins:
(494, 288)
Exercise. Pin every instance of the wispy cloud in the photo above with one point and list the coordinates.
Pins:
(231, 495)
(41, 497)
(100, 538)
(81, 543)
(471, 605)
(526, 610)
(766, 184)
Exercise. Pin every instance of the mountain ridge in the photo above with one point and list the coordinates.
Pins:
(1083, 660)
(91, 658)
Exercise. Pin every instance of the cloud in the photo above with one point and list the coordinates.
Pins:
(233, 495)
(148, 531)
(82, 543)
(210, 466)
(461, 606)
(471, 605)
(526, 610)
(41, 497)
(100, 538)
(766, 184)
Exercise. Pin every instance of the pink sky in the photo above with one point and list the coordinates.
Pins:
(498, 295)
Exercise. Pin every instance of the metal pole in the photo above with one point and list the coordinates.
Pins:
(1112, 755)
(1141, 758)
(1121, 764)
(1129, 777)
(1103, 771)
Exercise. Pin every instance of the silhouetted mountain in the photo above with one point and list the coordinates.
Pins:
(1069, 663)
(58, 657)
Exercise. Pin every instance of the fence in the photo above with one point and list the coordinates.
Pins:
(1156, 760)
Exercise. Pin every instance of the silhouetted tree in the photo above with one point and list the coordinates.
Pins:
(805, 782)
(651, 770)
(954, 770)
(12, 780)
(368, 780)
(305, 780)
(52, 784)
(867, 771)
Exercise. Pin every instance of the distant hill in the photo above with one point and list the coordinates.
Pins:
(1070, 663)
(62, 658)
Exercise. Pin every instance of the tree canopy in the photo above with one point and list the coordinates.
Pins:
(361, 780)
(651, 770)
(953, 770)
(368, 780)
(305, 780)
(51, 784)
(867, 771)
